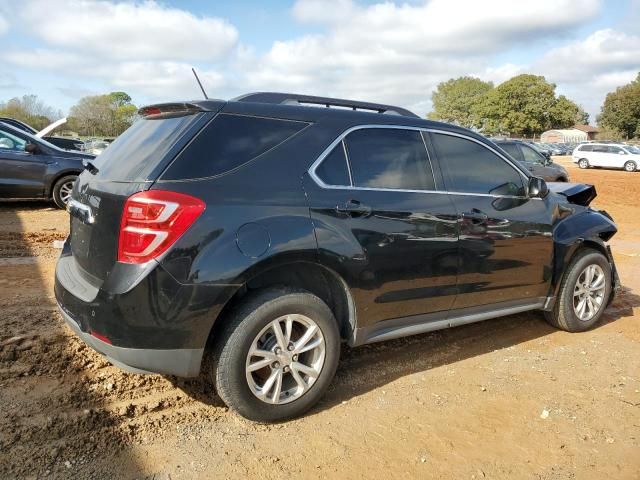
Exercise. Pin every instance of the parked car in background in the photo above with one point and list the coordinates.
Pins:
(537, 163)
(266, 231)
(541, 147)
(95, 147)
(31, 167)
(607, 155)
(66, 143)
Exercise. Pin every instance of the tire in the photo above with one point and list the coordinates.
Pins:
(251, 323)
(62, 190)
(583, 163)
(565, 312)
(630, 166)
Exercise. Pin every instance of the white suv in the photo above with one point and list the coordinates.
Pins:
(607, 155)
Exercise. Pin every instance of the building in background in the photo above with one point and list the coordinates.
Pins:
(577, 134)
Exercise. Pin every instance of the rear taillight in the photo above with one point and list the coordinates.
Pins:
(152, 221)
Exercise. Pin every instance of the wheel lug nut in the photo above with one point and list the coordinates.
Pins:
(286, 369)
(290, 347)
(277, 350)
(276, 364)
(295, 358)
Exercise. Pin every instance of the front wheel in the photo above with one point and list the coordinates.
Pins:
(583, 163)
(630, 166)
(277, 355)
(62, 190)
(584, 292)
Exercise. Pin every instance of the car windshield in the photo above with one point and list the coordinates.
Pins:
(632, 149)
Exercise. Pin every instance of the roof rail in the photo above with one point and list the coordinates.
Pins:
(295, 99)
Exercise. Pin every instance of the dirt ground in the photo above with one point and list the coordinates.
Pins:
(506, 398)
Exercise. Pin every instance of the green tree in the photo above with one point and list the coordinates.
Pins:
(564, 113)
(621, 110)
(456, 101)
(582, 117)
(526, 105)
(30, 110)
(103, 115)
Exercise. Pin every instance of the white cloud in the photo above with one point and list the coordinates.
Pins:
(168, 79)
(398, 53)
(322, 11)
(128, 31)
(586, 70)
(165, 79)
(4, 25)
(602, 52)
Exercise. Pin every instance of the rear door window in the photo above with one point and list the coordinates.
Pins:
(389, 158)
(586, 148)
(228, 142)
(473, 168)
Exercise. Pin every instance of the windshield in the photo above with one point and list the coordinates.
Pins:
(141, 148)
(632, 149)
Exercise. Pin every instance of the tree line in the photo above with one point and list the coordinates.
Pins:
(527, 105)
(105, 115)
(524, 105)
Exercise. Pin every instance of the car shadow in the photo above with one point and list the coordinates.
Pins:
(372, 366)
(369, 367)
(57, 413)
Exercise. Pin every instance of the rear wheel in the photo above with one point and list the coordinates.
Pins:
(277, 355)
(62, 190)
(584, 292)
(630, 166)
(583, 163)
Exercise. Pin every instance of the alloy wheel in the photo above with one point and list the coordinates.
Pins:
(588, 293)
(285, 359)
(65, 191)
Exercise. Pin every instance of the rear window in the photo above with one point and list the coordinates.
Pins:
(228, 142)
(135, 153)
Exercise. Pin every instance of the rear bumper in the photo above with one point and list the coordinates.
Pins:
(182, 362)
(142, 320)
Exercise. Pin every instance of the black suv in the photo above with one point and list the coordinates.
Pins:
(31, 167)
(533, 160)
(264, 231)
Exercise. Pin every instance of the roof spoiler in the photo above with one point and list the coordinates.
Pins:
(162, 110)
(295, 99)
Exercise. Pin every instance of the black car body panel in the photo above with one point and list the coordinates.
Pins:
(577, 193)
(392, 261)
(33, 175)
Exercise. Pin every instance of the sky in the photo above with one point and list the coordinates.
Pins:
(379, 51)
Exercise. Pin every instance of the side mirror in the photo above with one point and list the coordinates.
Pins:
(547, 155)
(31, 148)
(537, 187)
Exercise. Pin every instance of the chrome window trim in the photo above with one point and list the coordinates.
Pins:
(341, 137)
(346, 159)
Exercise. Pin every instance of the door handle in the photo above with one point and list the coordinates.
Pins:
(475, 216)
(354, 208)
